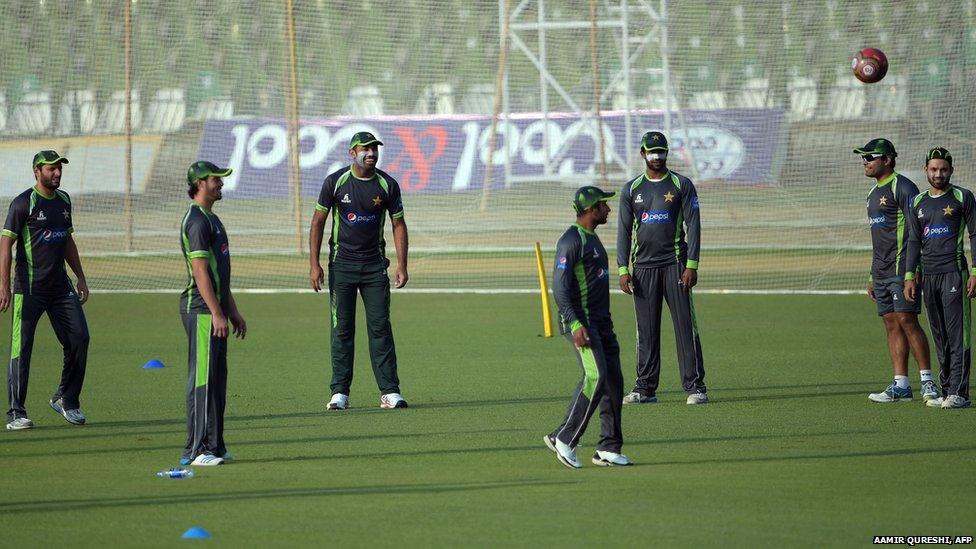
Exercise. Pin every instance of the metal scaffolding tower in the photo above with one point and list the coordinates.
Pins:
(639, 31)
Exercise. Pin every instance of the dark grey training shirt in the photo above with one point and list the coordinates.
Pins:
(41, 227)
(938, 227)
(581, 279)
(359, 208)
(203, 236)
(889, 203)
(660, 213)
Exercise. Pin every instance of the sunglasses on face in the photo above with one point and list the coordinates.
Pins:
(871, 157)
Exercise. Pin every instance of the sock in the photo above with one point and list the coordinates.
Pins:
(926, 375)
(901, 382)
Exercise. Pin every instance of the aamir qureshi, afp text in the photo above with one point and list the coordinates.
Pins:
(923, 540)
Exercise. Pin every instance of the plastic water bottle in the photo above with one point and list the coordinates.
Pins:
(176, 472)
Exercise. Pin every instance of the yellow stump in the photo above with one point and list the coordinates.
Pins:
(544, 290)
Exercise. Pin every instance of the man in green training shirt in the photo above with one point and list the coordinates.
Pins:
(581, 288)
(941, 217)
(40, 222)
(888, 204)
(206, 306)
(359, 197)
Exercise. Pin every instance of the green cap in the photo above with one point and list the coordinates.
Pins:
(654, 141)
(587, 197)
(878, 146)
(940, 153)
(48, 157)
(203, 169)
(363, 138)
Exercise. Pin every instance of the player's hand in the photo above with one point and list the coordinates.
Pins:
(219, 326)
(316, 276)
(239, 324)
(689, 278)
(401, 277)
(627, 284)
(82, 288)
(871, 292)
(911, 289)
(5, 297)
(581, 338)
(970, 288)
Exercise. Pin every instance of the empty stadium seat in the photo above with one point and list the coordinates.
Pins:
(846, 99)
(111, 119)
(436, 99)
(755, 94)
(32, 114)
(889, 98)
(363, 101)
(215, 108)
(803, 98)
(165, 112)
(78, 113)
(479, 99)
(707, 100)
(3, 112)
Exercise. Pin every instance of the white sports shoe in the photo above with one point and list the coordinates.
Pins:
(73, 416)
(934, 403)
(637, 398)
(610, 459)
(929, 391)
(697, 398)
(207, 460)
(339, 402)
(567, 455)
(954, 401)
(392, 400)
(20, 424)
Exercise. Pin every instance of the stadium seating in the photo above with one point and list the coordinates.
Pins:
(707, 100)
(803, 98)
(78, 113)
(165, 112)
(479, 99)
(32, 114)
(889, 99)
(215, 108)
(436, 99)
(3, 112)
(363, 101)
(111, 119)
(846, 99)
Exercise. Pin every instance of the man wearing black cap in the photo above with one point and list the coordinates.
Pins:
(889, 203)
(359, 197)
(660, 262)
(581, 286)
(940, 217)
(206, 306)
(39, 220)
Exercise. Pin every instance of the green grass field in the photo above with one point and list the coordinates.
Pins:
(790, 452)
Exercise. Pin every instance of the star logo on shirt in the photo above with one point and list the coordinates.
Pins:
(377, 200)
(669, 197)
(947, 211)
(883, 201)
(66, 214)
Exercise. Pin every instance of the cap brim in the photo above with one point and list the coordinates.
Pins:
(222, 173)
(607, 196)
(377, 141)
(657, 148)
(866, 151)
(58, 160)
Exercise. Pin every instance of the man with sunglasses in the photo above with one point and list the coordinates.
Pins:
(942, 215)
(889, 204)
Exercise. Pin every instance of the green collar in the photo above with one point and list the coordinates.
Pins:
(584, 229)
(888, 179)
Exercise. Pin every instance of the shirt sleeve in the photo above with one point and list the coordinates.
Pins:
(689, 209)
(913, 249)
(564, 283)
(16, 218)
(326, 195)
(625, 229)
(394, 203)
(70, 220)
(969, 211)
(198, 237)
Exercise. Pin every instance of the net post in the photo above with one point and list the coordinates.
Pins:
(127, 110)
(544, 291)
(294, 169)
(594, 58)
(496, 104)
